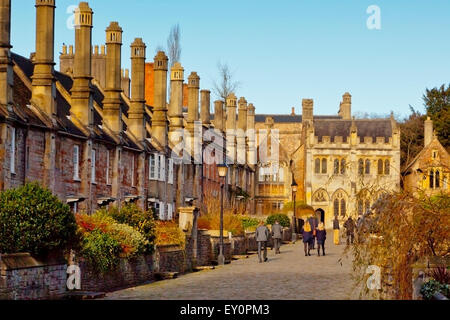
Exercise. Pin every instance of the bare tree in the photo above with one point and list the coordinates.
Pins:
(173, 44)
(226, 83)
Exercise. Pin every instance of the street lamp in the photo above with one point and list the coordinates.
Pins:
(294, 193)
(223, 169)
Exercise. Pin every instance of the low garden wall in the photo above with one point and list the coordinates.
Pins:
(24, 278)
(127, 274)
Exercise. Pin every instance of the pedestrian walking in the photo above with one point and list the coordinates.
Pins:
(262, 236)
(336, 229)
(349, 226)
(277, 234)
(321, 237)
(307, 238)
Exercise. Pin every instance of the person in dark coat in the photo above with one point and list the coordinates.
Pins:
(349, 226)
(307, 238)
(321, 237)
(262, 236)
(277, 234)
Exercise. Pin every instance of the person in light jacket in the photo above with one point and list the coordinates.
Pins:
(277, 234)
(262, 236)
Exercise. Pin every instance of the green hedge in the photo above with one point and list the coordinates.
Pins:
(33, 220)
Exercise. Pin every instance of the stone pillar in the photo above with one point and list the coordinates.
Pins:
(241, 132)
(193, 99)
(112, 113)
(428, 133)
(205, 107)
(251, 134)
(345, 110)
(81, 105)
(159, 120)
(43, 80)
(176, 105)
(136, 119)
(6, 71)
(218, 115)
(231, 127)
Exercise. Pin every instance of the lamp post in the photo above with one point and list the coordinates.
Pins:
(223, 169)
(294, 193)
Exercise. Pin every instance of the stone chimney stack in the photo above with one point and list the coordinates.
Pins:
(307, 111)
(136, 120)
(345, 110)
(43, 79)
(231, 127)
(219, 115)
(251, 134)
(6, 71)
(428, 134)
(176, 104)
(112, 113)
(241, 132)
(81, 90)
(159, 120)
(205, 107)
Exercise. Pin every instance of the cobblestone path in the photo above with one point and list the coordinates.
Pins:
(289, 275)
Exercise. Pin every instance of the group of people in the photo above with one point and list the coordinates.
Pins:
(312, 231)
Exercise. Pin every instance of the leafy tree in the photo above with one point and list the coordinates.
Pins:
(437, 103)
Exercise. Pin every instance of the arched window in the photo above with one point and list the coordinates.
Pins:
(438, 183)
(380, 167)
(317, 166)
(361, 167)
(431, 179)
(324, 165)
(387, 167)
(336, 166)
(343, 166)
(336, 207)
(343, 208)
(367, 171)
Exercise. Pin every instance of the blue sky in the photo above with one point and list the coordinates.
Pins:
(286, 50)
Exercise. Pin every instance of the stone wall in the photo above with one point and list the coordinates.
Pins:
(128, 273)
(24, 278)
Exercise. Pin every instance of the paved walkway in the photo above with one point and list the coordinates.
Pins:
(288, 276)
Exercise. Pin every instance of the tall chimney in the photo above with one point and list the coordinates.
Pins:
(81, 90)
(231, 127)
(6, 71)
(43, 80)
(176, 103)
(428, 134)
(159, 120)
(205, 107)
(345, 110)
(241, 132)
(251, 134)
(307, 110)
(218, 115)
(136, 120)
(112, 113)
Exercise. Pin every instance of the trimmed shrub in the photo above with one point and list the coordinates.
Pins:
(33, 220)
(282, 218)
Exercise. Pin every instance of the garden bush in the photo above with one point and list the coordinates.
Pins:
(33, 220)
(132, 215)
(168, 233)
(282, 218)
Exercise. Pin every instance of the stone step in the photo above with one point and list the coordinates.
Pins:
(83, 295)
(166, 275)
(240, 257)
(201, 268)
